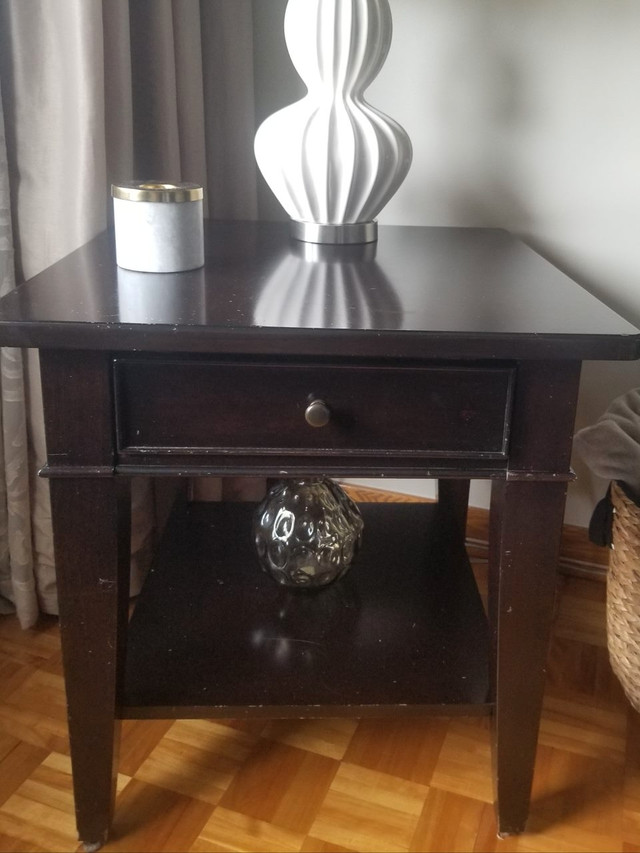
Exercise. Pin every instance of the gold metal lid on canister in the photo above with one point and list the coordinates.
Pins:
(157, 191)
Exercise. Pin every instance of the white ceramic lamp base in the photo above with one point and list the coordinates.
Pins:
(331, 159)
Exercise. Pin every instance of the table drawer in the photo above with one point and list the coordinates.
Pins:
(212, 407)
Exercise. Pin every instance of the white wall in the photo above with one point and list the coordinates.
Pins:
(523, 114)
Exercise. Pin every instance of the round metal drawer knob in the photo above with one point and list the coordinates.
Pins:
(317, 413)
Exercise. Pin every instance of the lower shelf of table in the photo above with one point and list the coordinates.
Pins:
(404, 631)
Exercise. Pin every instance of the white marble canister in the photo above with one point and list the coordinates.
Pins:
(158, 226)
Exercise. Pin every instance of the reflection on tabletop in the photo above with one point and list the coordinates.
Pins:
(325, 286)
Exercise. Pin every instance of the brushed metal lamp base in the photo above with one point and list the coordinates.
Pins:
(341, 234)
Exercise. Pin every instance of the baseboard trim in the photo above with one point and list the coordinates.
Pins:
(578, 556)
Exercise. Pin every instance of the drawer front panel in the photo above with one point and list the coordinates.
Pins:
(231, 408)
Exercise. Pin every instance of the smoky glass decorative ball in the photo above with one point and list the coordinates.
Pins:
(307, 532)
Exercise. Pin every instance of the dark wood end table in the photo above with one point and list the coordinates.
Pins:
(441, 353)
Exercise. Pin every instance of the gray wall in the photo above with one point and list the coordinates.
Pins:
(523, 114)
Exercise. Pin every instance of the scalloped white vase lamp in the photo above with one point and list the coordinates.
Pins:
(331, 159)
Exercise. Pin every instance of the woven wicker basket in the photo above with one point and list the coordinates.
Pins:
(623, 595)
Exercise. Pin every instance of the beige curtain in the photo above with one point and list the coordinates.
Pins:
(17, 580)
(95, 91)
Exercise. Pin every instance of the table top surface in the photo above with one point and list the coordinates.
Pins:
(417, 292)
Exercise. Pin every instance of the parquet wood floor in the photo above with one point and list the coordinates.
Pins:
(332, 785)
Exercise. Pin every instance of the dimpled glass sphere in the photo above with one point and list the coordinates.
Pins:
(307, 532)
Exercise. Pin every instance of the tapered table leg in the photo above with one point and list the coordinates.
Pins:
(526, 523)
(453, 500)
(91, 522)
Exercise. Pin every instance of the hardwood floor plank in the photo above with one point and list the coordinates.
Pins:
(7, 744)
(330, 737)
(40, 812)
(582, 669)
(464, 764)
(198, 759)
(581, 610)
(34, 726)
(577, 800)
(231, 831)
(281, 784)
(17, 765)
(366, 810)
(12, 674)
(448, 822)
(585, 729)
(407, 748)
(316, 845)
(138, 739)
(631, 794)
(152, 819)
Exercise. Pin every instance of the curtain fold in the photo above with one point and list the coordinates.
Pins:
(227, 71)
(98, 91)
(17, 581)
